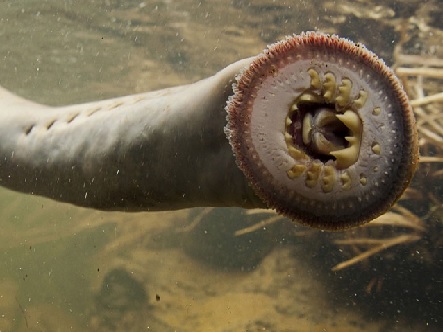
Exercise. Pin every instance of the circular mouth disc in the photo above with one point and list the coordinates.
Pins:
(323, 131)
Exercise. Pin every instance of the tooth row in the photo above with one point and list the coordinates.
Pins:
(328, 179)
(316, 172)
(310, 96)
(296, 171)
(332, 92)
(329, 87)
(312, 175)
(344, 92)
(326, 175)
(315, 78)
(345, 180)
(361, 100)
(295, 153)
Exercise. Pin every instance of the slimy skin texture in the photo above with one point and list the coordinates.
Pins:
(162, 150)
(315, 127)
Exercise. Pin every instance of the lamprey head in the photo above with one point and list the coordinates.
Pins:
(323, 130)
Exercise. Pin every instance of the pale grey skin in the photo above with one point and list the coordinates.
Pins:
(162, 150)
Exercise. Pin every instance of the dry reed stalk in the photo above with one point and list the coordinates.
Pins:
(398, 218)
(197, 220)
(259, 225)
(382, 244)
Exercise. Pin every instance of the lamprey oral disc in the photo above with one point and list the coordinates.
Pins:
(323, 130)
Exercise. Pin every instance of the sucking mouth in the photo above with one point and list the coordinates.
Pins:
(323, 124)
(324, 134)
(323, 131)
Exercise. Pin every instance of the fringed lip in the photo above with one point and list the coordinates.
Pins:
(323, 131)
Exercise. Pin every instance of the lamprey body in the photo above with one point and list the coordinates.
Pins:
(317, 128)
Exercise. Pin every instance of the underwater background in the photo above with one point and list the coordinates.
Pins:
(64, 268)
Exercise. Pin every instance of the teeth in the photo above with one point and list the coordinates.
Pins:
(345, 157)
(329, 87)
(296, 171)
(350, 120)
(363, 180)
(345, 181)
(376, 111)
(351, 139)
(310, 97)
(288, 138)
(325, 90)
(328, 179)
(363, 96)
(314, 135)
(288, 121)
(348, 156)
(312, 175)
(376, 148)
(315, 79)
(344, 92)
(295, 153)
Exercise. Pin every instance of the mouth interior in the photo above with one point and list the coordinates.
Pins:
(318, 131)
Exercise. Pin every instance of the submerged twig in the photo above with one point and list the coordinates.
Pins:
(257, 226)
(383, 244)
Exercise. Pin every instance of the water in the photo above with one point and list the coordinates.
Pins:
(68, 268)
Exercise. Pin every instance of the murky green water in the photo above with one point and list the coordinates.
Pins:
(67, 268)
